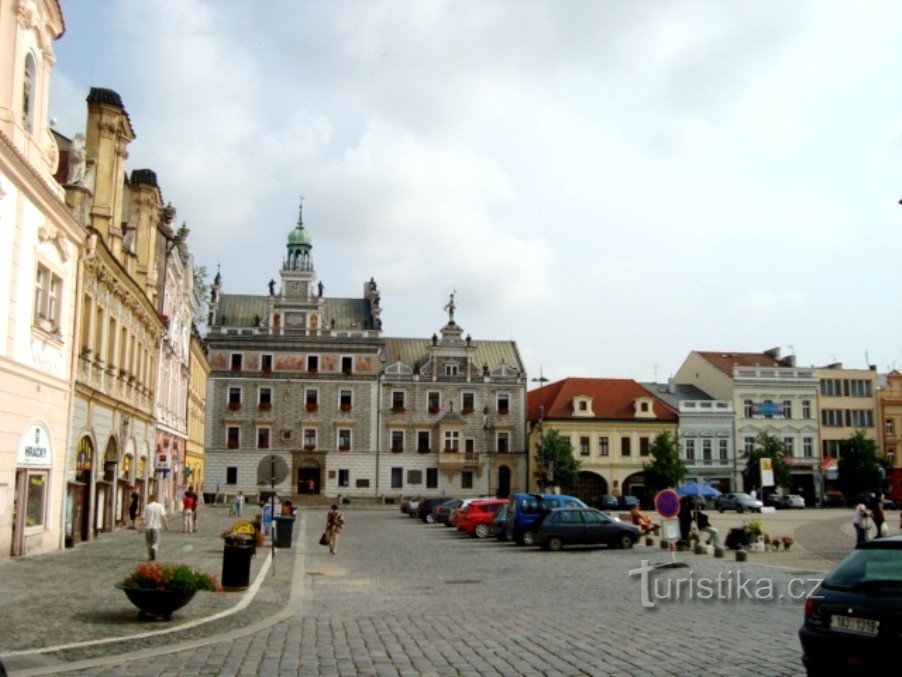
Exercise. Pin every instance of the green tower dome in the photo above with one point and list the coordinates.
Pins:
(299, 236)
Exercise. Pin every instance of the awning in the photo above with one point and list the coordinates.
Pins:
(829, 463)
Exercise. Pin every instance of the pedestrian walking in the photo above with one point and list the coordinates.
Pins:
(238, 504)
(154, 519)
(862, 522)
(133, 508)
(335, 522)
(189, 511)
(685, 518)
(879, 518)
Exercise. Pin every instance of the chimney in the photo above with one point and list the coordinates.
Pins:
(773, 353)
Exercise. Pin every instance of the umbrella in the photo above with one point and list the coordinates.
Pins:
(701, 490)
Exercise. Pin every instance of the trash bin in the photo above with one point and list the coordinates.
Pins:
(284, 529)
(236, 561)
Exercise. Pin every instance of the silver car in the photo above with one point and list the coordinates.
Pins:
(739, 502)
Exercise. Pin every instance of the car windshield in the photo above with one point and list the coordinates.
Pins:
(742, 496)
(868, 570)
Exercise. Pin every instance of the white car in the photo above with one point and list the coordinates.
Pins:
(793, 501)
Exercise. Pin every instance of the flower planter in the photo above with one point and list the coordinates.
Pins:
(157, 602)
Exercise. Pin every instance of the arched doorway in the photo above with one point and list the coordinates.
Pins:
(105, 489)
(309, 474)
(78, 494)
(590, 485)
(504, 482)
(634, 485)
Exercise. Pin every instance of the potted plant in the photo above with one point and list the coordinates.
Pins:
(755, 529)
(787, 542)
(158, 589)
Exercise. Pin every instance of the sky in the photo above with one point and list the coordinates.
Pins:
(611, 184)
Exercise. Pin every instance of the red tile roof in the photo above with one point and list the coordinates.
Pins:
(612, 399)
(725, 361)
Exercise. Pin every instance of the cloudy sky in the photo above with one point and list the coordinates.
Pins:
(611, 184)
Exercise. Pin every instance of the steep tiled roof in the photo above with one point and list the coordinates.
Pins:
(145, 176)
(612, 399)
(241, 310)
(413, 352)
(725, 361)
(680, 392)
(103, 95)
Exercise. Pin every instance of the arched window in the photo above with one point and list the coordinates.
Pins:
(28, 92)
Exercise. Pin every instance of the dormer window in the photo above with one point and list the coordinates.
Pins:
(644, 407)
(582, 406)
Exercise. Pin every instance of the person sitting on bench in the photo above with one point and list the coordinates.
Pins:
(643, 521)
(704, 525)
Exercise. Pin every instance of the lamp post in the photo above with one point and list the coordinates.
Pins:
(541, 380)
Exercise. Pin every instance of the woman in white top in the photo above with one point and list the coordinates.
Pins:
(861, 522)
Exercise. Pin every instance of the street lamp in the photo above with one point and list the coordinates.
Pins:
(541, 380)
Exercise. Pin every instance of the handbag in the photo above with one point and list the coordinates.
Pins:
(323, 540)
(864, 523)
(884, 530)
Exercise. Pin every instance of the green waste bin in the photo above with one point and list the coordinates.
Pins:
(284, 529)
(236, 561)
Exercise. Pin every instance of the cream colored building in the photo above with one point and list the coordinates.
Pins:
(847, 400)
(40, 252)
(889, 399)
(198, 372)
(610, 424)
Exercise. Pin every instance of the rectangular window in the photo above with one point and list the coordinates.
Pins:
(286, 434)
(344, 439)
(452, 440)
(313, 363)
(433, 401)
(234, 398)
(431, 478)
(397, 441)
(466, 479)
(807, 447)
(603, 446)
(787, 408)
(311, 399)
(862, 418)
(723, 449)
(35, 497)
(747, 408)
(345, 400)
(344, 477)
(263, 438)
(584, 446)
(467, 402)
(347, 365)
(503, 403)
(237, 360)
(788, 445)
(625, 448)
(643, 446)
(690, 450)
(414, 477)
(265, 398)
(889, 427)
(749, 445)
(47, 291)
(706, 451)
(504, 443)
(231, 475)
(806, 409)
(266, 363)
(450, 370)
(397, 478)
(860, 388)
(831, 418)
(469, 445)
(831, 387)
(424, 444)
(309, 439)
(397, 400)
(233, 437)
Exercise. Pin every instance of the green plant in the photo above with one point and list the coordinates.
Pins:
(180, 577)
(755, 528)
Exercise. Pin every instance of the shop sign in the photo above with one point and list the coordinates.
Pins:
(35, 448)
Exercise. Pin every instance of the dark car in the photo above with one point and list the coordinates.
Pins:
(853, 619)
(424, 509)
(610, 502)
(584, 526)
(442, 512)
(834, 500)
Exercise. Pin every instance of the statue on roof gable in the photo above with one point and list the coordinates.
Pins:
(272, 287)
(320, 287)
(450, 308)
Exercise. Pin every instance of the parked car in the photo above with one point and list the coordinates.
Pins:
(425, 507)
(739, 502)
(524, 511)
(584, 526)
(442, 512)
(409, 506)
(499, 522)
(834, 500)
(455, 513)
(476, 518)
(773, 500)
(853, 618)
(610, 502)
(793, 501)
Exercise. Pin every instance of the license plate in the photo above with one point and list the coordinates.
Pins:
(859, 626)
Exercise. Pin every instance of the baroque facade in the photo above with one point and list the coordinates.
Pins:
(306, 385)
(41, 245)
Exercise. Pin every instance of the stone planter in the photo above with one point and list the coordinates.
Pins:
(157, 602)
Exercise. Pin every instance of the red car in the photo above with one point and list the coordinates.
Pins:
(476, 518)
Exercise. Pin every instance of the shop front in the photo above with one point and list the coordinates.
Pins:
(31, 497)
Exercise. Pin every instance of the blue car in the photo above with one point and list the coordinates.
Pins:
(525, 510)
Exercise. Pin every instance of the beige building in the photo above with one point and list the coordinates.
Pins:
(610, 424)
(198, 372)
(769, 395)
(889, 399)
(111, 444)
(40, 252)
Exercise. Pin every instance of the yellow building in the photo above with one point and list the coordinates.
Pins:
(889, 399)
(847, 401)
(610, 424)
(199, 371)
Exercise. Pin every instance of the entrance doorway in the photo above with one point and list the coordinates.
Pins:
(309, 480)
(504, 482)
(82, 490)
(590, 486)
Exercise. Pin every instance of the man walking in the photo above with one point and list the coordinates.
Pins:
(154, 518)
(189, 511)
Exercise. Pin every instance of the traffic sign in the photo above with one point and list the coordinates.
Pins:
(667, 503)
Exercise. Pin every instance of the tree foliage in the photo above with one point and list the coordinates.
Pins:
(555, 464)
(767, 446)
(666, 468)
(860, 468)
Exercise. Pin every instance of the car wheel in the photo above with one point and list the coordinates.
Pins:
(555, 544)
(529, 538)
(720, 509)
(740, 509)
(625, 542)
(481, 531)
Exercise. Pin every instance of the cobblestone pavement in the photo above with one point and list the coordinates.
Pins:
(404, 598)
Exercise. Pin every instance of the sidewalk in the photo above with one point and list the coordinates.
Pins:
(63, 606)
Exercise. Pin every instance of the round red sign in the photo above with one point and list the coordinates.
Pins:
(667, 503)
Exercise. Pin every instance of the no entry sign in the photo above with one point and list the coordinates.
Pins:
(667, 503)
